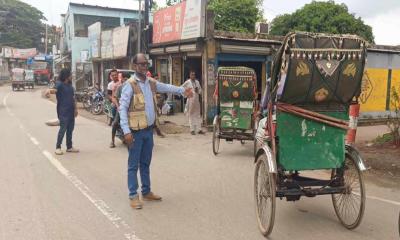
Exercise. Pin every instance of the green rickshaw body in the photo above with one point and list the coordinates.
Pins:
(308, 145)
(236, 87)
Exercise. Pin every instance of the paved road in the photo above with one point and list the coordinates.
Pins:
(84, 196)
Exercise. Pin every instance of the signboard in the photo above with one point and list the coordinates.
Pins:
(40, 58)
(23, 53)
(84, 56)
(193, 21)
(120, 38)
(7, 52)
(106, 44)
(181, 21)
(94, 33)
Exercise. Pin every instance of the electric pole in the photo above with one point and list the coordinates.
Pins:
(45, 44)
(140, 27)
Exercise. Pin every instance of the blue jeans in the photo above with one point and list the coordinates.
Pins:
(140, 153)
(66, 125)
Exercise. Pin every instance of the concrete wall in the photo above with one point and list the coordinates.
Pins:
(381, 75)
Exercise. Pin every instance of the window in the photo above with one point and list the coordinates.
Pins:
(82, 22)
(128, 21)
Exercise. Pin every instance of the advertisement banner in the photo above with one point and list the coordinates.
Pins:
(181, 21)
(106, 44)
(120, 38)
(23, 53)
(94, 33)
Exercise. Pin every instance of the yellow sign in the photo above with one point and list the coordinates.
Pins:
(374, 90)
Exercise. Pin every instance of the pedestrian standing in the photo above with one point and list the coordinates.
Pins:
(66, 109)
(113, 77)
(138, 115)
(116, 96)
(192, 107)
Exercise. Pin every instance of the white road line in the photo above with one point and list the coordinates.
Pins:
(113, 217)
(97, 202)
(34, 141)
(384, 200)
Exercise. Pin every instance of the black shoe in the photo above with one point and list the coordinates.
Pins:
(193, 133)
(201, 132)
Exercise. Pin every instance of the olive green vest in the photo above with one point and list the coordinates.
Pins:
(137, 112)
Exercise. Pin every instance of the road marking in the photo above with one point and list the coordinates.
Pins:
(97, 202)
(33, 140)
(102, 206)
(384, 200)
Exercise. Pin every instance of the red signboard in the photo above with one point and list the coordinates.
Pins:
(24, 53)
(167, 23)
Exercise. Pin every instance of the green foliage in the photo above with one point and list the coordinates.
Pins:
(154, 6)
(326, 17)
(20, 24)
(172, 2)
(394, 118)
(236, 15)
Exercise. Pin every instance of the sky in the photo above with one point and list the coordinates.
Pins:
(382, 15)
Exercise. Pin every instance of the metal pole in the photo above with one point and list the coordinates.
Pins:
(140, 27)
(45, 44)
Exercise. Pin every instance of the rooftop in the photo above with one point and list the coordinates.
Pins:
(248, 37)
(101, 7)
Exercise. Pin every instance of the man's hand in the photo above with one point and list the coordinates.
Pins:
(188, 92)
(128, 139)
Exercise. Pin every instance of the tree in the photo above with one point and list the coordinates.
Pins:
(327, 17)
(20, 25)
(172, 2)
(236, 15)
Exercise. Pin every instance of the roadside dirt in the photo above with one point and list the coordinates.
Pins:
(383, 162)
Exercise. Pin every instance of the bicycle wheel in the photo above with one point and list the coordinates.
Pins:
(264, 195)
(215, 138)
(349, 206)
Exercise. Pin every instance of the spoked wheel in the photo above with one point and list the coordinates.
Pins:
(349, 205)
(264, 193)
(216, 140)
(242, 142)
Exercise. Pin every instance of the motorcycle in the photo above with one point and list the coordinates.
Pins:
(97, 105)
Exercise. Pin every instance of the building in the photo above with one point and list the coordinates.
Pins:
(184, 39)
(74, 39)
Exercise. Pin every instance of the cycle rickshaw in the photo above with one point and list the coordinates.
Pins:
(236, 102)
(310, 125)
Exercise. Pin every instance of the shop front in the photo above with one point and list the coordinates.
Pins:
(173, 63)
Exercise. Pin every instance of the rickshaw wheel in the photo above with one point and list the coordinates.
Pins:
(264, 195)
(242, 142)
(350, 205)
(216, 139)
